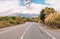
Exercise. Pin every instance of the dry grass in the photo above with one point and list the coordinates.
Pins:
(7, 21)
(53, 19)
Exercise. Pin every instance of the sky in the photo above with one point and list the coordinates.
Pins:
(8, 7)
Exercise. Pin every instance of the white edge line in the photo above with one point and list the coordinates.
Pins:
(47, 33)
(24, 32)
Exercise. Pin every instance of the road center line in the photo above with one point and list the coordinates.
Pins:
(25, 32)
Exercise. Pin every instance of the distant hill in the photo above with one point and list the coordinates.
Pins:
(26, 15)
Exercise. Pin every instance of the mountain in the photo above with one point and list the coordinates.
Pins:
(26, 15)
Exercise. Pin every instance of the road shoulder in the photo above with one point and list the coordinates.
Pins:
(54, 33)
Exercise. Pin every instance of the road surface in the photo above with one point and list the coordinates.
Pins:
(29, 30)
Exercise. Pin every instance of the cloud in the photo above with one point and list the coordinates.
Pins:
(7, 6)
(54, 3)
(34, 9)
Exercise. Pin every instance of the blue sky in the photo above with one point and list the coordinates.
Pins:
(35, 1)
(39, 1)
(36, 5)
(8, 7)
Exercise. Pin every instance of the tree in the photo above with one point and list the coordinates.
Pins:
(45, 12)
(42, 15)
(48, 11)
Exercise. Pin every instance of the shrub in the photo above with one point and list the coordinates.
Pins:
(53, 19)
(45, 12)
(6, 21)
(3, 24)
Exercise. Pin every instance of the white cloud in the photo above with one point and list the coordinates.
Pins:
(34, 9)
(7, 6)
(54, 3)
(37, 7)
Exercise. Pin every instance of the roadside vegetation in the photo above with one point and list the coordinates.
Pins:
(6, 21)
(31, 19)
(50, 17)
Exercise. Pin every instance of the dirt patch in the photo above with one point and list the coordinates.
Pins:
(48, 26)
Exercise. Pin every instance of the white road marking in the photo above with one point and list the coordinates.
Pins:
(47, 33)
(25, 32)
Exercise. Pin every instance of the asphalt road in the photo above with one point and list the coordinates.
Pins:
(29, 30)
